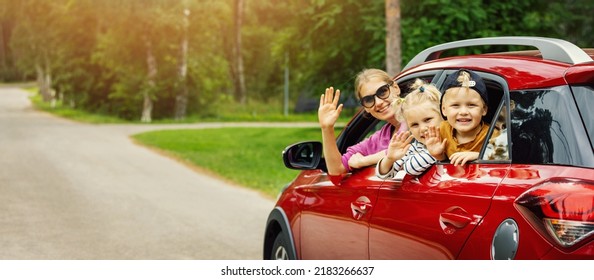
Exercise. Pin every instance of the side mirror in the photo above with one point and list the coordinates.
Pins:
(303, 155)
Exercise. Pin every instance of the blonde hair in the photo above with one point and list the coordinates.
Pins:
(367, 75)
(421, 92)
(464, 79)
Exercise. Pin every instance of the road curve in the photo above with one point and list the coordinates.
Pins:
(79, 191)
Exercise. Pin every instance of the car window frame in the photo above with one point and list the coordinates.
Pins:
(362, 125)
(580, 95)
(491, 79)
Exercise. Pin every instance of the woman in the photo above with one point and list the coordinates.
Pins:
(376, 92)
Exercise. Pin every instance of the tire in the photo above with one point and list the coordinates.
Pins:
(280, 248)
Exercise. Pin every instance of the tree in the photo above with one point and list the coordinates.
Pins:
(8, 19)
(237, 65)
(335, 39)
(393, 52)
(36, 42)
(181, 99)
(137, 46)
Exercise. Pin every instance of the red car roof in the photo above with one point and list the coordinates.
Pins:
(553, 62)
(520, 72)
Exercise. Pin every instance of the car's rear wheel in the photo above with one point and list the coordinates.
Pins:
(280, 248)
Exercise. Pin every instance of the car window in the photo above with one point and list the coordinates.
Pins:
(585, 102)
(405, 87)
(375, 127)
(497, 147)
(497, 106)
(546, 128)
(499, 144)
(494, 90)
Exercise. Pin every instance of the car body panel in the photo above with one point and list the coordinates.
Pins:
(532, 75)
(580, 74)
(337, 214)
(431, 216)
(532, 241)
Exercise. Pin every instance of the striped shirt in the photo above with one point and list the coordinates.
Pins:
(415, 162)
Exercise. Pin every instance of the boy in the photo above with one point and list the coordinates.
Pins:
(463, 104)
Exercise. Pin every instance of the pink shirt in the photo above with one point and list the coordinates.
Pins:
(378, 141)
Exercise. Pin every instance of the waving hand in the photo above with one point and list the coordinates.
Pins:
(435, 145)
(329, 110)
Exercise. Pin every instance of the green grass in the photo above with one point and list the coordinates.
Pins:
(250, 157)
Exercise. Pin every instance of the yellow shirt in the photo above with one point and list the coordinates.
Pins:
(446, 131)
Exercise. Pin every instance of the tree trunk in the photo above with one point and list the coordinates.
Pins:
(50, 93)
(393, 39)
(3, 43)
(151, 62)
(239, 79)
(41, 81)
(44, 79)
(181, 99)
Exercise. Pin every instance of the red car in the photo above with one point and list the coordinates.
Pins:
(529, 196)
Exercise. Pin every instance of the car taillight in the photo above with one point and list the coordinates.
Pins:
(565, 208)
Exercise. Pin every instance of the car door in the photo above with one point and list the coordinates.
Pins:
(431, 216)
(335, 218)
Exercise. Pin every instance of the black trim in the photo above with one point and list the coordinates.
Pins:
(278, 217)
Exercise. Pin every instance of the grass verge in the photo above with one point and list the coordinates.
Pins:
(249, 157)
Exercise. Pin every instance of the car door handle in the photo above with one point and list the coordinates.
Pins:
(455, 220)
(360, 207)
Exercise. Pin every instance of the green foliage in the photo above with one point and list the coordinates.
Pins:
(96, 51)
(432, 22)
(338, 43)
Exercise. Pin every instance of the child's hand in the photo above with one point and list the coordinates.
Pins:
(329, 109)
(461, 158)
(434, 144)
(399, 144)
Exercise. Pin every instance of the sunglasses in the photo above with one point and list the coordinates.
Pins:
(382, 92)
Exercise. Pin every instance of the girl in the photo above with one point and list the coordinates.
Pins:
(420, 110)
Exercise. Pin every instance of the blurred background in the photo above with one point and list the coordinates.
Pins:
(148, 60)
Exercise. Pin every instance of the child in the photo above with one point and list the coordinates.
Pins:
(420, 110)
(464, 104)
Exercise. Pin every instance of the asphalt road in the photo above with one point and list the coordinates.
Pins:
(71, 191)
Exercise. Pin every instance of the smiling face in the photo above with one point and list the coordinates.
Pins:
(420, 117)
(464, 110)
(382, 109)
